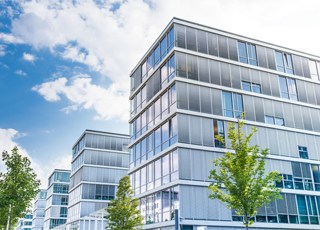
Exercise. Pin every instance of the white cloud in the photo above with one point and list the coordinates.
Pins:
(111, 42)
(29, 57)
(8, 141)
(10, 38)
(20, 72)
(110, 103)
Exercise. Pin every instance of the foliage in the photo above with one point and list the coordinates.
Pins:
(18, 186)
(239, 177)
(123, 212)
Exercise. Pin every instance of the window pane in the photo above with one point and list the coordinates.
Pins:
(202, 41)
(163, 47)
(269, 120)
(203, 70)
(283, 87)
(191, 39)
(243, 56)
(181, 65)
(223, 46)
(237, 105)
(288, 63)
(297, 65)
(180, 37)
(227, 104)
(192, 67)
(246, 86)
(213, 44)
(262, 58)
(157, 55)
(233, 52)
(292, 89)
(305, 67)
(279, 61)
(256, 88)
(214, 72)
(271, 59)
(302, 206)
(252, 54)
(194, 102)
(279, 121)
(225, 74)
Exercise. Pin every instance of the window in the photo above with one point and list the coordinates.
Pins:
(302, 176)
(60, 188)
(279, 121)
(274, 120)
(251, 87)
(314, 69)
(167, 71)
(316, 176)
(63, 211)
(247, 53)
(286, 182)
(288, 88)
(218, 131)
(284, 62)
(303, 152)
(157, 55)
(232, 104)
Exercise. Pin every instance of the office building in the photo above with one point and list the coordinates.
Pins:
(99, 161)
(56, 210)
(24, 223)
(189, 85)
(39, 210)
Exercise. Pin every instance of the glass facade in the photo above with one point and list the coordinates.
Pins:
(206, 80)
(97, 166)
(39, 210)
(56, 209)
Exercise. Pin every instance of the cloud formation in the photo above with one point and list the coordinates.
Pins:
(20, 72)
(111, 103)
(111, 36)
(28, 57)
(8, 140)
(10, 38)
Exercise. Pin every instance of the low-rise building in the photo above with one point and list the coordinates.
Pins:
(39, 210)
(99, 161)
(57, 199)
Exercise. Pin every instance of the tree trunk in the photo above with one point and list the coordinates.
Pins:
(9, 218)
(246, 221)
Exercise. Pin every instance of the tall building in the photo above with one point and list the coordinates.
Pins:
(24, 223)
(189, 85)
(39, 210)
(57, 199)
(99, 161)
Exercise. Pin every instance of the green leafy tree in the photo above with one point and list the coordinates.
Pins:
(123, 212)
(18, 186)
(239, 177)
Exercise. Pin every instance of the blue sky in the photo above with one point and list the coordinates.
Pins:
(65, 65)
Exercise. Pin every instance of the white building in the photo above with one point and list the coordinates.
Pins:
(185, 90)
(39, 210)
(25, 223)
(99, 161)
(57, 199)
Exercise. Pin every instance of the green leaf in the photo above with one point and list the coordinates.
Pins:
(18, 186)
(239, 176)
(123, 212)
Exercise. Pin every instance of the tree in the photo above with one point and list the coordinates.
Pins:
(123, 212)
(239, 177)
(18, 186)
